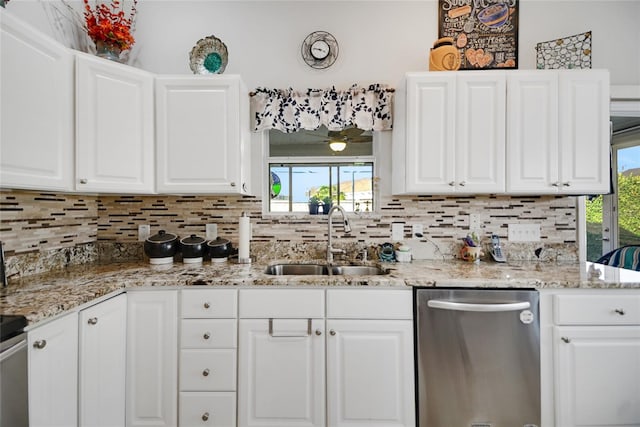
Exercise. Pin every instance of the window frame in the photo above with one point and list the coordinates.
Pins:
(312, 160)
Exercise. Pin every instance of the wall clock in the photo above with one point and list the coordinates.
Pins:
(319, 49)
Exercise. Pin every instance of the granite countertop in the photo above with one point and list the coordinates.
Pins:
(41, 296)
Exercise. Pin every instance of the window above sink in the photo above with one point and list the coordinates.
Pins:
(303, 168)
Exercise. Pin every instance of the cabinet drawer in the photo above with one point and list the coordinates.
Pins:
(207, 370)
(216, 409)
(369, 304)
(208, 333)
(209, 303)
(283, 303)
(597, 309)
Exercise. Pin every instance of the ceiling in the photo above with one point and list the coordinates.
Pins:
(622, 123)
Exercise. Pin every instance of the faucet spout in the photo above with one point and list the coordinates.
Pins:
(347, 229)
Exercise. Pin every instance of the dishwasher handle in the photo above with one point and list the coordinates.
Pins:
(463, 306)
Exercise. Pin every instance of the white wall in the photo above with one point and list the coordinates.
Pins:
(379, 40)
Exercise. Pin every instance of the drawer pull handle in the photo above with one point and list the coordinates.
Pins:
(207, 305)
(619, 311)
(292, 334)
(566, 340)
(92, 321)
(206, 335)
(205, 373)
(40, 344)
(205, 416)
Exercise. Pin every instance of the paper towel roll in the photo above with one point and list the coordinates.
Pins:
(244, 238)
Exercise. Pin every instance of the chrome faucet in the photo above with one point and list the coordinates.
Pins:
(347, 229)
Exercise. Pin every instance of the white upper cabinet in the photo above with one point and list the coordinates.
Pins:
(449, 135)
(115, 127)
(558, 132)
(37, 108)
(585, 132)
(202, 135)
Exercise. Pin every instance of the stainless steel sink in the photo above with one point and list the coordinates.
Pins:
(297, 270)
(322, 270)
(357, 270)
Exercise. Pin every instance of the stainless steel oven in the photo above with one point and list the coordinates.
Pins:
(478, 357)
(14, 397)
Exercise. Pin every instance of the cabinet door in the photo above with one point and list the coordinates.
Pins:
(281, 373)
(597, 376)
(102, 361)
(430, 154)
(36, 108)
(532, 132)
(585, 134)
(152, 358)
(480, 132)
(115, 127)
(53, 373)
(370, 373)
(202, 134)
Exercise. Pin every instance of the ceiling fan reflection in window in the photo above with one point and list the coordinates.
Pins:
(338, 139)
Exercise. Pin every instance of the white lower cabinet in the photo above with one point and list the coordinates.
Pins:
(53, 373)
(370, 372)
(207, 409)
(208, 355)
(366, 378)
(102, 363)
(596, 358)
(152, 358)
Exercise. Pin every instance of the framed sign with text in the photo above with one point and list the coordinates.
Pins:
(484, 31)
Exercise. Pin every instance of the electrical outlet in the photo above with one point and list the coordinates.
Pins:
(475, 223)
(144, 230)
(397, 231)
(417, 231)
(211, 231)
(524, 232)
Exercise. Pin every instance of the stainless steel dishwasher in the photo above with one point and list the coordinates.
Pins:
(14, 407)
(477, 357)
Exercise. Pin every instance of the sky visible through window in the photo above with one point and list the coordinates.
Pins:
(629, 158)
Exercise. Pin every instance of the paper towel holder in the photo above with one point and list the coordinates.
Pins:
(244, 239)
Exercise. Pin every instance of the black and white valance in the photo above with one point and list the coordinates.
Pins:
(290, 111)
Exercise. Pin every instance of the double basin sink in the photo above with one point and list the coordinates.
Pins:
(323, 270)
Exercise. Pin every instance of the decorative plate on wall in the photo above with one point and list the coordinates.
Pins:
(319, 50)
(208, 56)
(567, 52)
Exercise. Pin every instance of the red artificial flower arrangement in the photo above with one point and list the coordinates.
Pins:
(108, 24)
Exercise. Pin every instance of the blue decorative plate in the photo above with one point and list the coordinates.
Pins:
(208, 56)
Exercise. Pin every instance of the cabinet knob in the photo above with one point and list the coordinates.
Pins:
(83, 181)
(206, 335)
(40, 344)
(207, 305)
(92, 321)
(619, 311)
(233, 184)
(462, 183)
(332, 332)
(555, 184)
(205, 373)
(452, 183)
(566, 184)
(318, 332)
(566, 340)
(205, 416)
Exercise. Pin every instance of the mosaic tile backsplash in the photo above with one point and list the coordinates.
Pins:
(43, 225)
